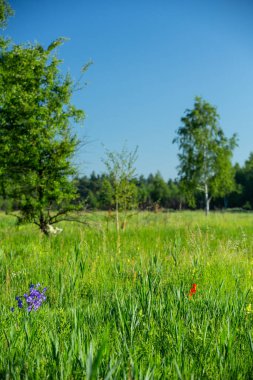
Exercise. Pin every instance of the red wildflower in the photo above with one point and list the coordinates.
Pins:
(193, 290)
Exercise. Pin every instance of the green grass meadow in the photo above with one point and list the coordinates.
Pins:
(123, 311)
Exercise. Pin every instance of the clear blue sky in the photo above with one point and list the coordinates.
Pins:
(151, 58)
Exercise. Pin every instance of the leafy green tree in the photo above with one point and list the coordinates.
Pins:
(143, 193)
(121, 170)
(82, 185)
(243, 196)
(106, 194)
(5, 12)
(205, 153)
(158, 190)
(175, 195)
(36, 141)
(247, 172)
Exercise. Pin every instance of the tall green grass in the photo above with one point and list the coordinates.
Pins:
(125, 313)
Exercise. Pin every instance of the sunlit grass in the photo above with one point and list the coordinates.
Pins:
(127, 313)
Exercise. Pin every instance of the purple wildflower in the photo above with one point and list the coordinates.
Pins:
(20, 303)
(34, 299)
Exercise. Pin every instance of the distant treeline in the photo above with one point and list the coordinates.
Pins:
(153, 192)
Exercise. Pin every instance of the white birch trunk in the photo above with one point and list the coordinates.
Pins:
(117, 215)
(207, 199)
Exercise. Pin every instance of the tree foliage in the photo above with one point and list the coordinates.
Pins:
(243, 194)
(36, 140)
(5, 12)
(205, 153)
(121, 170)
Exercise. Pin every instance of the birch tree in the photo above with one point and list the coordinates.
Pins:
(205, 153)
(121, 170)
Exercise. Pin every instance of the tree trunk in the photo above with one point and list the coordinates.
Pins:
(117, 226)
(117, 215)
(43, 225)
(207, 200)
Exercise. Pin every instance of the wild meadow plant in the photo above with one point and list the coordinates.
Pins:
(175, 303)
(34, 299)
(193, 290)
